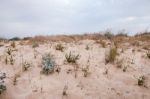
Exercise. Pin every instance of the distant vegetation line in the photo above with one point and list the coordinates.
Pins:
(73, 37)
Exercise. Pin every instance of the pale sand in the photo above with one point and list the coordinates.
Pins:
(114, 85)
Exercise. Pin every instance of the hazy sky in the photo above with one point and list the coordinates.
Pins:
(32, 17)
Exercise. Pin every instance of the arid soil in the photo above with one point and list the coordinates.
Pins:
(101, 80)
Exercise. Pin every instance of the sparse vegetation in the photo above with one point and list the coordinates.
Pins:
(64, 93)
(103, 43)
(35, 44)
(108, 35)
(141, 80)
(15, 78)
(48, 64)
(148, 54)
(111, 56)
(71, 58)
(9, 57)
(86, 71)
(13, 44)
(15, 39)
(26, 66)
(2, 82)
(59, 47)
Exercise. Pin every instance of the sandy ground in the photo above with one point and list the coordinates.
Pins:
(97, 85)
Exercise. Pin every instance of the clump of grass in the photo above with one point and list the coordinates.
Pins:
(26, 66)
(48, 64)
(2, 82)
(148, 54)
(111, 56)
(9, 56)
(59, 47)
(71, 58)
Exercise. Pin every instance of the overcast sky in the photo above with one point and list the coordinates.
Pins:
(33, 17)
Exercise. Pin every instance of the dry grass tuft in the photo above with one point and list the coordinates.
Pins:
(111, 56)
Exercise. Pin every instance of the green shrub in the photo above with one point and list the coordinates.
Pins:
(71, 58)
(48, 64)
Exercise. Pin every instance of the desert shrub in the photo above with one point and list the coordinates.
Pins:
(9, 56)
(71, 58)
(13, 44)
(148, 54)
(122, 35)
(141, 80)
(103, 44)
(59, 47)
(108, 35)
(2, 82)
(48, 64)
(34, 45)
(111, 56)
(26, 66)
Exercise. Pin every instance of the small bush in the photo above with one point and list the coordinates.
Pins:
(9, 56)
(141, 80)
(111, 56)
(108, 35)
(26, 66)
(103, 44)
(34, 45)
(13, 44)
(2, 85)
(48, 64)
(70, 58)
(59, 47)
(148, 54)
